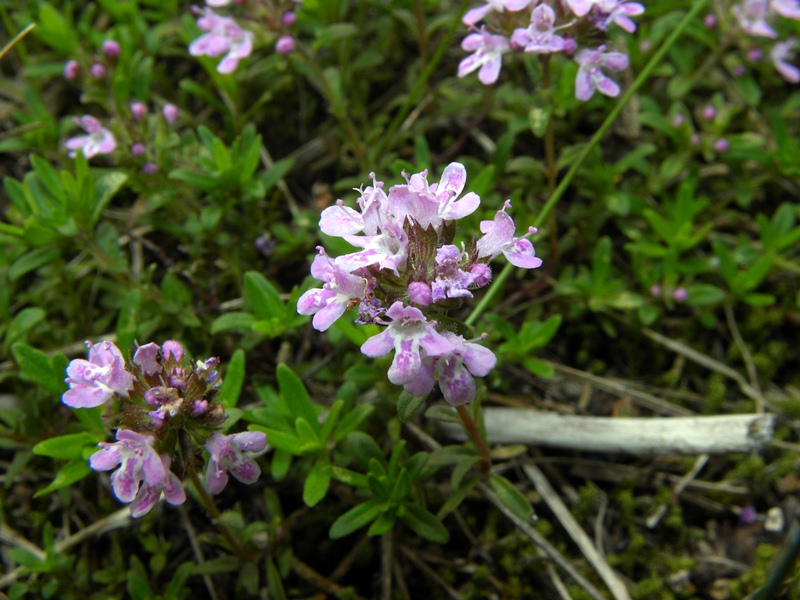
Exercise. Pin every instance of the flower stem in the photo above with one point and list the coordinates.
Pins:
(472, 429)
(593, 142)
(212, 509)
(550, 155)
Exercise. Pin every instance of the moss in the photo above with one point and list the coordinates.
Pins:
(647, 588)
(715, 394)
(587, 502)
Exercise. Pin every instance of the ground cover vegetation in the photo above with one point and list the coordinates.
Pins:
(399, 299)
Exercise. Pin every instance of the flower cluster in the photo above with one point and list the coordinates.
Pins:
(758, 18)
(167, 402)
(549, 30)
(408, 273)
(224, 36)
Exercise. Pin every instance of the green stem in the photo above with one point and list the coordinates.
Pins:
(472, 429)
(211, 506)
(598, 135)
(420, 84)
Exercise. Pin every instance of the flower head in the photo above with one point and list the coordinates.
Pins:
(590, 75)
(476, 14)
(456, 370)
(224, 36)
(781, 54)
(408, 333)
(99, 141)
(95, 381)
(330, 302)
(227, 453)
(540, 37)
(752, 17)
(499, 238)
(487, 52)
(138, 462)
(616, 11)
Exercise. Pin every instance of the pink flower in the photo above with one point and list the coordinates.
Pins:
(752, 18)
(99, 141)
(149, 494)
(540, 36)
(227, 454)
(786, 8)
(408, 333)
(781, 53)
(487, 52)
(139, 462)
(456, 370)
(590, 75)
(98, 71)
(499, 238)
(224, 37)
(330, 302)
(608, 11)
(138, 110)
(476, 14)
(95, 381)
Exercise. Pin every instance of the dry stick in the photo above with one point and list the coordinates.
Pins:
(699, 358)
(121, 518)
(198, 551)
(542, 544)
(322, 582)
(655, 517)
(420, 564)
(576, 532)
(266, 158)
(609, 385)
(746, 356)
(593, 142)
(387, 555)
(720, 434)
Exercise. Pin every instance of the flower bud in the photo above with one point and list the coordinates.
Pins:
(171, 113)
(680, 294)
(289, 18)
(722, 145)
(71, 70)
(678, 120)
(655, 290)
(754, 55)
(138, 150)
(482, 273)
(150, 168)
(709, 112)
(138, 110)
(111, 48)
(98, 71)
(419, 293)
(285, 45)
(710, 21)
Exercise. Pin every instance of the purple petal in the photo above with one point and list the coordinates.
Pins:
(245, 469)
(216, 477)
(145, 500)
(153, 467)
(463, 207)
(406, 363)
(146, 358)
(521, 254)
(490, 70)
(313, 301)
(173, 490)
(606, 86)
(106, 458)
(340, 220)
(124, 483)
(251, 441)
(82, 396)
(378, 345)
(456, 383)
(473, 16)
(584, 85)
(478, 359)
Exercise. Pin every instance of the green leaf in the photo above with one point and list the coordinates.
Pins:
(601, 263)
(37, 367)
(317, 483)
(67, 447)
(703, 294)
(31, 261)
(759, 300)
(311, 443)
(281, 440)
(263, 297)
(296, 396)
(348, 477)
(233, 381)
(355, 518)
(509, 495)
(277, 172)
(22, 322)
(331, 420)
(424, 523)
(364, 449)
(105, 188)
(55, 31)
(352, 420)
(233, 321)
(67, 475)
(128, 319)
(274, 582)
(539, 368)
(280, 464)
(407, 405)
(457, 495)
(177, 584)
(384, 523)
